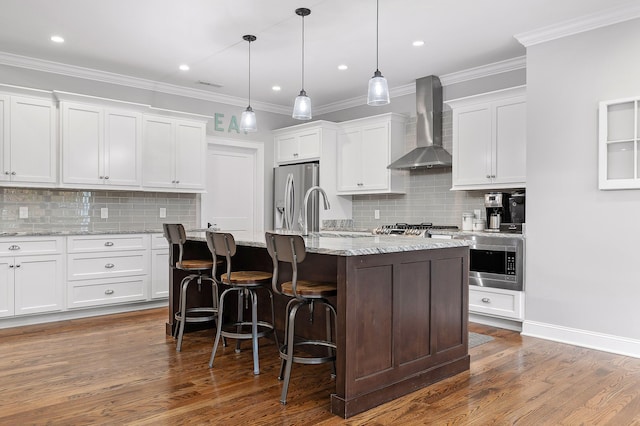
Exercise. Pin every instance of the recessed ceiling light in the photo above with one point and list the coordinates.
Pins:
(276, 88)
(184, 67)
(418, 43)
(342, 67)
(57, 39)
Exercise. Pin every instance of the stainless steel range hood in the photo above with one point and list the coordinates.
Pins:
(429, 153)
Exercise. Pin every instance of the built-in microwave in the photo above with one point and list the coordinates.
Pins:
(496, 261)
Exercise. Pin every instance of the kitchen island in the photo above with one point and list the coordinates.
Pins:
(402, 309)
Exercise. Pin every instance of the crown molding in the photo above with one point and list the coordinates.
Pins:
(456, 77)
(584, 23)
(11, 59)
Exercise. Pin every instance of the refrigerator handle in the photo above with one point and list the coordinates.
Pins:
(288, 202)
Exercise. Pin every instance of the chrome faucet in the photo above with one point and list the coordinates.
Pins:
(305, 229)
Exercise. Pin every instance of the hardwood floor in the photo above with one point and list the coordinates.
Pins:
(122, 369)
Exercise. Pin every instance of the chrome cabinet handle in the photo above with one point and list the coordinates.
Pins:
(100, 177)
(295, 154)
(6, 173)
(108, 291)
(109, 265)
(486, 300)
(177, 181)
(108, 244)
(13, 173)
(106, 177)
(11, 266)
(14, 247)
(17, 266)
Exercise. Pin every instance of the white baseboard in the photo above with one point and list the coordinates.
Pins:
(495, 322)
(588, 339)
(19, 321)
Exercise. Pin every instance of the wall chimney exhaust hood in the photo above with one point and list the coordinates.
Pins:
(429, 152)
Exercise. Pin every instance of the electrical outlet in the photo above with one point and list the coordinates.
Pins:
(163, 212)
(23, 212)
(376, 214)
(104, 213)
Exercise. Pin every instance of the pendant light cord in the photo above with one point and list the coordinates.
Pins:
(249, 73)
(377, 32)
(302, 52)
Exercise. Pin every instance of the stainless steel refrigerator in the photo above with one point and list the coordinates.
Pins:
(290, 184)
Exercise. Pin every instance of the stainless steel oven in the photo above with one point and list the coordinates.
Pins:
(496, 261)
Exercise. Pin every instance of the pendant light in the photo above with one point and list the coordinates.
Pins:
(248, 119)
(302, 105)
(378, 89)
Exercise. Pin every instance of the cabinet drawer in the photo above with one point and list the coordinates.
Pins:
(27, 245)
(91, 243)
(107, 292)
(158, 241)
(496, 302)
(101, 265)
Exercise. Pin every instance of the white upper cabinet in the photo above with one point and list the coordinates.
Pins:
(489, 140)
(174, 154)
(298, 144)
(619, 144)
(365, 148)
(28, 148)
(101, 146)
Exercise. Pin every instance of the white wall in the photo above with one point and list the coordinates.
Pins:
(583, 252)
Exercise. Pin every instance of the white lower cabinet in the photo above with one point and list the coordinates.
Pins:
(107, 269)
(31, 276)
(159, 267)
(496, 302)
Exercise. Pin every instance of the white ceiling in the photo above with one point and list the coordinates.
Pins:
(149, 39)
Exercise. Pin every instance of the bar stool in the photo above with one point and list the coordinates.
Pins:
(245, 284)
(291, 249)
(200, 271)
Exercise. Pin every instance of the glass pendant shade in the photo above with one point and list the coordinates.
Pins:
(378, 90)
(302, 107)
(248, 121)
(302, 104)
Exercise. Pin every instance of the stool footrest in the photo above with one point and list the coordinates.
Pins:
(264, 328)
(311, 359)
(202, 315)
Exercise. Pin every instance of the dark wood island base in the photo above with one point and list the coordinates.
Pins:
(402, 319)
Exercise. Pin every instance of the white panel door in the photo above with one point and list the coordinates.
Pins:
(38, 284)
(6, 286)
(375, 156)
(472, 145)
(229, 203)
(122, 150)
(5, 147)
(33, 146)
(158, 153)
(511, 141)
(82, 144)
(190, 152)
(159, 273)
(349, 160)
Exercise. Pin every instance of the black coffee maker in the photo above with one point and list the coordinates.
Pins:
(497, 206)
(516, 207)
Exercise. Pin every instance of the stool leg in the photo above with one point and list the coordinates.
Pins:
(254, 331)
(290, 348)
(219, 328)
(183, 310)
(240, 316)
(273, 319)
(327, 313)
(286, 333)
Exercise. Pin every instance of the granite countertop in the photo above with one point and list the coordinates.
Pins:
(353, 243)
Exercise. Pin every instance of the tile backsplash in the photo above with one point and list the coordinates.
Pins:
(76, 210)
(428, 195)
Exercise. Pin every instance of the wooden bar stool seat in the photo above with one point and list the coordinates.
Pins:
(200, 270)
(291, 249)
(245, 284)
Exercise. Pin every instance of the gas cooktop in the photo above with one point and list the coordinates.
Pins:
(419, 229)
